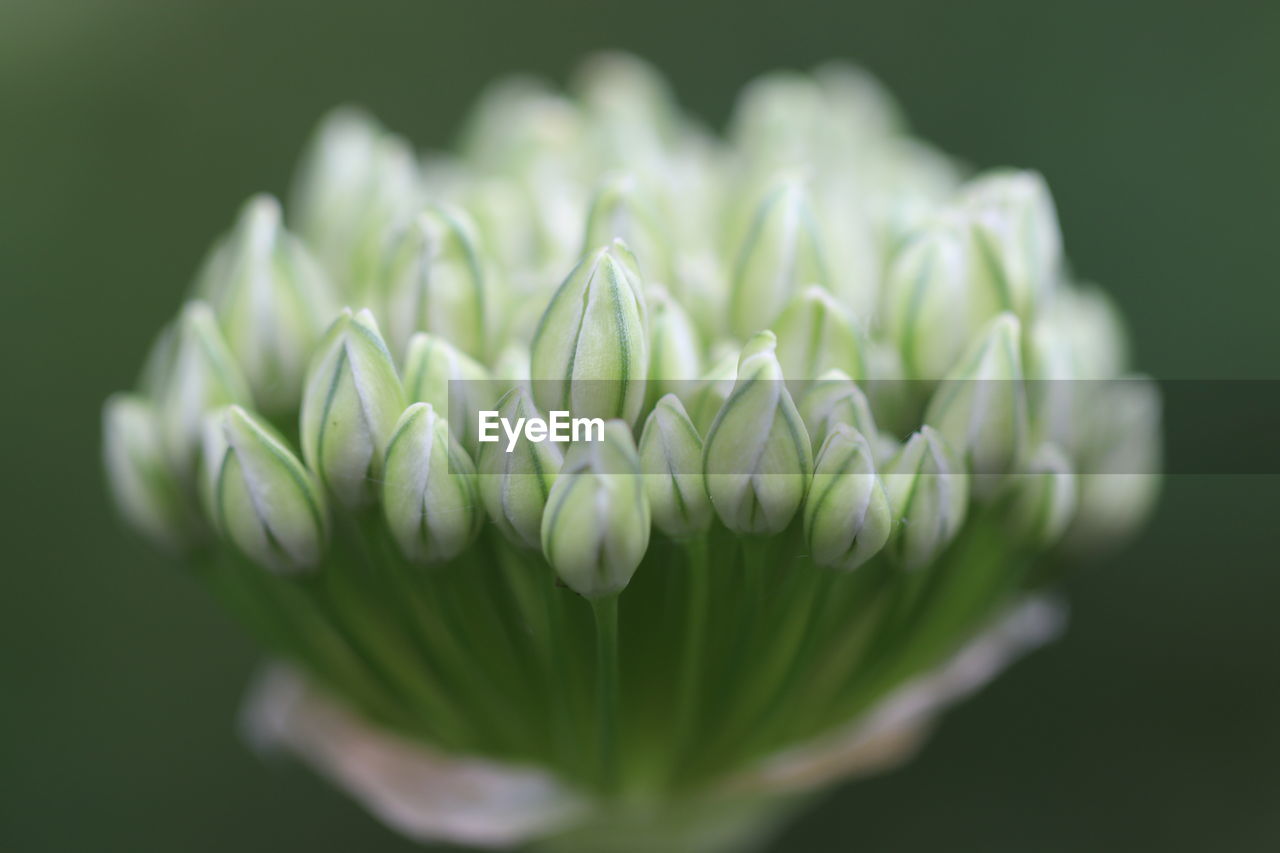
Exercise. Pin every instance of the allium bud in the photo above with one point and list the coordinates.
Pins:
(356, 182)
(432, 363)
(1018, 240)
(847, 519)
(515, 485)
(1044, 498)
(260, 496)
(929, 298)
(352, 401)
(929, 493)
(671, 459)
(429, 492)
(596, 526)
(834, 399)
(202, 376)
(712, 389)
(433, 278)
(815, 335)
(633, 113)
(780, 253)
(618, 212)
(757, 458)
(145, 489)
(674, 348)
(1120, 462)
(272, 301)
(512, 364)
(981, 408)
(589, 354)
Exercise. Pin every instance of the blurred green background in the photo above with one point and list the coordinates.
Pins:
(132, 129)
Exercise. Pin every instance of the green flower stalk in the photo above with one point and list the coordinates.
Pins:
(606, 485)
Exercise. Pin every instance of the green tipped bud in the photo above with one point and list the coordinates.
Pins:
(433, 278)
(929, 301)
(430, 365)
(512, 364)
(596, 527)
(713, 388)
(816, 335)
(1044, 498)
(350, 407)
(429, 492)
(757, 459)
(618, 212)
(929, 492)
(634, 113)
(259, 494)
(673, 344)
(847, 519)
(780, 253)
(981, 409)
(146, 492)
(591, 343)
(671, 458)
(272, 302)
(202, 376)
(515, 485)
(1120, 457)
(357, 181)
(835, 400)
(1019, 244)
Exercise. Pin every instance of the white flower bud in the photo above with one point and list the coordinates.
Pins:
(429, 492)
(432, 363)
(512, 365)
(712, 389)
(847, 519)
(515, 485)
(352, 401)
(757, 458)
(589, 354)
(674, 348)
(671, 459)
(816, 335)
(1119, 458)
(929, 493)
(780, 253)
(202, 376)
(595, 530)
(259, 494)
(272, 301)
(834, 400)
(981, 408)
(146, 491)
(357, 181)
(1018, 240)
(931, 310)
(433, 279)
(618, 212)
(1044, 498)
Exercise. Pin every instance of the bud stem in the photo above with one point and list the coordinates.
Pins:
(691, 658)
(606, 615)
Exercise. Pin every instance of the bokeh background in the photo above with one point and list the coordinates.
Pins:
(130, 131)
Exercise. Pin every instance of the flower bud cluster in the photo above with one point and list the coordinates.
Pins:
(815, 327)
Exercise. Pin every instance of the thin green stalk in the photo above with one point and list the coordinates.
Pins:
(606, 618)
(692, 654)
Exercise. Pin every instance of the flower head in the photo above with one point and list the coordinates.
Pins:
(603, 424)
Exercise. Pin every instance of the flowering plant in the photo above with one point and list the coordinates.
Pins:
(839, 452)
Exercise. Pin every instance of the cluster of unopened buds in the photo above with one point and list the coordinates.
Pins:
(837, 419)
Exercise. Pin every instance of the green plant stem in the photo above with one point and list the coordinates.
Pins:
(698, 585)
(606, 618)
